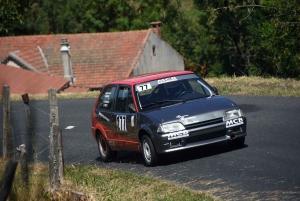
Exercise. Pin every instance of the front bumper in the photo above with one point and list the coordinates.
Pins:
(199, 136)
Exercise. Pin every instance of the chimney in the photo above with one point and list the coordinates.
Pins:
(66, 59)
(155, 26)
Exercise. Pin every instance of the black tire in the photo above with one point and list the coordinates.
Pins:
(148, 151)
(104, 150)
(238, 142)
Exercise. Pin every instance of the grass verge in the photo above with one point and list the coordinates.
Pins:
(226, 86)
(256, 86)
(99, 184)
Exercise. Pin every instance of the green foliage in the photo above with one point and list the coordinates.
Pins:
(11, 14)
(216, 37)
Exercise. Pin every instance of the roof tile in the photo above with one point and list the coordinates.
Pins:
(25, 81)
(96, 57)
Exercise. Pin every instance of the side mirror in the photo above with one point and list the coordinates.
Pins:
(216, 90)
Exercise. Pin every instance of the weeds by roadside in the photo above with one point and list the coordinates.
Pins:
(256, 86)
(98, 184)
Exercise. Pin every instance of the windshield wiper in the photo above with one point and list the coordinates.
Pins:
(162, 101)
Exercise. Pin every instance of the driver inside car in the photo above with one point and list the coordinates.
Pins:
(173, 89)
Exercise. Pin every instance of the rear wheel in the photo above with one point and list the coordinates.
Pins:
(149, 153)
(105, 152)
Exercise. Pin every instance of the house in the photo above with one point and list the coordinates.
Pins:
(89, 60)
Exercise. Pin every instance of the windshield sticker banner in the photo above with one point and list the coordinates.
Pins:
(143, 87)
(121, 122)
(234, 122)
(165, 80)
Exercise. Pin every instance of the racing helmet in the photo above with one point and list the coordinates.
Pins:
(173, 88)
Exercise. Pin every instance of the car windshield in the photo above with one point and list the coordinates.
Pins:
(171, 90)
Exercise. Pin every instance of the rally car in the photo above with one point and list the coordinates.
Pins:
(163, 112)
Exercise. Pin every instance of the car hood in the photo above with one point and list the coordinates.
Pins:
(193, 111)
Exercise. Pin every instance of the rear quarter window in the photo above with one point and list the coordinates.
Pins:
(106, 99)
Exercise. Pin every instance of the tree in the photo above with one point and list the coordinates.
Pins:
(281, 41)
(11, 13)
(256, 37)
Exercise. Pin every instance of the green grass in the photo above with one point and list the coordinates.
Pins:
(99, 184)
(227, 86)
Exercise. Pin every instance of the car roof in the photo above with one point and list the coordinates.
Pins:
(149, 77)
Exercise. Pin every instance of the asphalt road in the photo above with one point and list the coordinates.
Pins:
(266, 168)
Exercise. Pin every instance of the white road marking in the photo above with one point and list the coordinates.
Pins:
(69, 127)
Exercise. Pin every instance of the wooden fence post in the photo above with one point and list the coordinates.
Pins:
(53, 158)
(30, 127)
(7, 179)
(6, 121)
(56, 160)
(23, 162)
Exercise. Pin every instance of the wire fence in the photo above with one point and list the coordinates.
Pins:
(24, 127)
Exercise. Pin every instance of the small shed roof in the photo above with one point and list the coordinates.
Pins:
(25, 81)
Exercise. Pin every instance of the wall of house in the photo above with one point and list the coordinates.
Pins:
(163, 57)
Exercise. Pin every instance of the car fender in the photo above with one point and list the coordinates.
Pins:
(144, 128)
(99, 127)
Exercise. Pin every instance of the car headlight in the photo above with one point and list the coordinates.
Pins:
(232, 114)
(167, 128)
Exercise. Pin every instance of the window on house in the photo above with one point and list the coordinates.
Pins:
(153, 50)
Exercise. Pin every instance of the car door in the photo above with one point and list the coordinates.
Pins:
(124, 115)
(103, 111)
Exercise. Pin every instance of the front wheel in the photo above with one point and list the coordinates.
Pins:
(105, 152)
(149, 153)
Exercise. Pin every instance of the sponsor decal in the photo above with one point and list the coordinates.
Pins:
(132, 121)
(121, 122)
(104, 117)
(187, 120)
(143, 87)
(178, 134)
(234, 122)
(165, 80)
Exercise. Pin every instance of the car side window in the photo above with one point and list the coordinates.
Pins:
(124, 102)
(130, 103)
(106, 98)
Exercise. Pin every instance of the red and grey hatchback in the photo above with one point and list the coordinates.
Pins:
(163, 112)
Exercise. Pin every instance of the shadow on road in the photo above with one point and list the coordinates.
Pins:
(197, 153)
(177, 157)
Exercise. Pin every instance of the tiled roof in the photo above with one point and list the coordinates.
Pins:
(97, 58)
(25, 81)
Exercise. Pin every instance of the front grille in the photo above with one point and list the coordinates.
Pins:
(204, 123)
(206, 136)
